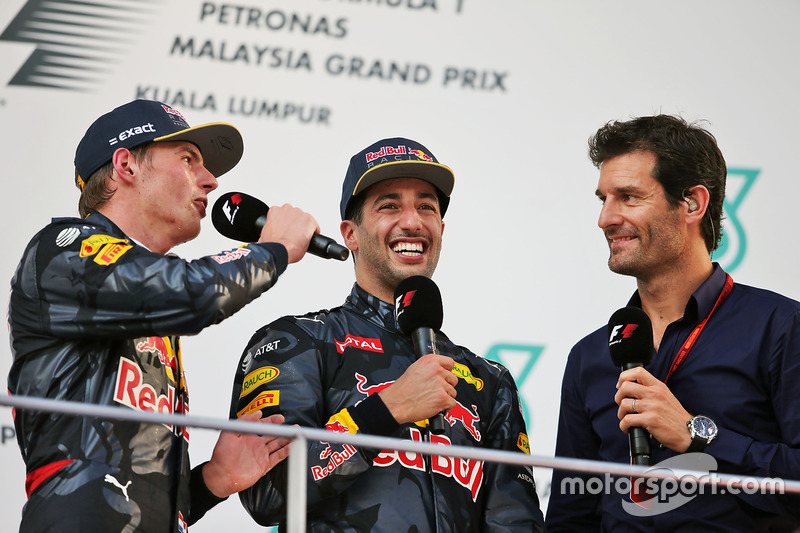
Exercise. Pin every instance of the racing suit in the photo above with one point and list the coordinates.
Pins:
(92, 318)
(321, 370)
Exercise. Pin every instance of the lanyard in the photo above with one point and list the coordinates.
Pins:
(688, 344)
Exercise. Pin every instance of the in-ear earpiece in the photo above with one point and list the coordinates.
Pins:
(692, 204)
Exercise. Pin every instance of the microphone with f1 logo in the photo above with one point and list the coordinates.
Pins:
(241, 217)
(630, 341)
(419, 313)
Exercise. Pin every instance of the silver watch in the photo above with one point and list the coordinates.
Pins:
(702, 430)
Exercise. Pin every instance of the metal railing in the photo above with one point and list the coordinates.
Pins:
(298, 456)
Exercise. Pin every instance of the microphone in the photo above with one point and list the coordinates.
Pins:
(630, 341)
(241, 217)
(418, 312)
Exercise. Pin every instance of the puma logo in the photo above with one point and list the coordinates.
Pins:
(111, 479)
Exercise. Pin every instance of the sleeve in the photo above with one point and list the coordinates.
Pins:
(742, 454)
(99, 285)
(568, 511)
(282, 372)
(202, 499)
(511, 502)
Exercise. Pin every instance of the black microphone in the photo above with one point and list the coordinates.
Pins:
(419, 313)
(630, 341)
(241, 217)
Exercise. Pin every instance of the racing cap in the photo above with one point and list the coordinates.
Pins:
(142, 121)
(396, 157)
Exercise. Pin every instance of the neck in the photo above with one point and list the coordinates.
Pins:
(135, 229)
(664, 297)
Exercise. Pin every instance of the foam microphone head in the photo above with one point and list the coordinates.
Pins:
(236, 215)
(418, 304)
(630, 337)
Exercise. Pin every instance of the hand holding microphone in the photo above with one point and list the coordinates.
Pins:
(630, 341)
(419, 313)
(242, 217)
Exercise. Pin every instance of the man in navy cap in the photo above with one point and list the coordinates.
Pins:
(94, 314)
(351, 369)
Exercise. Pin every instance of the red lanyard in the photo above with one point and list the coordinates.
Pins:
(688, 344)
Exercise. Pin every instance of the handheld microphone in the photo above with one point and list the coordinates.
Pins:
(419, 313)
(241, 217)
(630, 341)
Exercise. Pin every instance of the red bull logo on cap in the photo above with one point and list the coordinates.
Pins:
(421, 155)
(385, 151)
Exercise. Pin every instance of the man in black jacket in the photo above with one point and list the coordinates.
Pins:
(350, 369)
(94, 314)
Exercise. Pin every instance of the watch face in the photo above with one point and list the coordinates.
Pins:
(704, 426)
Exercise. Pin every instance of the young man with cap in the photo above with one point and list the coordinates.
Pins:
(350, 369)
(94, 312)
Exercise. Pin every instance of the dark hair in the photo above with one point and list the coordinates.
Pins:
(686, 155)
(97, 190)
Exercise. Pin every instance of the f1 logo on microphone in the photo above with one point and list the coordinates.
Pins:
(231, 207)
(403, 301)
(625, 334)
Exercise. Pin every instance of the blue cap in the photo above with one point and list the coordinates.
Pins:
(395, 158)
(142, 121)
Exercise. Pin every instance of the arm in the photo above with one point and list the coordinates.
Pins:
(94, 287)
(567, 510)
(238, 461)
(511, 502)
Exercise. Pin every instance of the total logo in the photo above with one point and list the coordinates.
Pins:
(372, 345)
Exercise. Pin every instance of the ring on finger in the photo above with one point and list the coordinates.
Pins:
(633, 406)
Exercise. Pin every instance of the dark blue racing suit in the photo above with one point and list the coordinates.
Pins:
(93, 318)
(323, 370)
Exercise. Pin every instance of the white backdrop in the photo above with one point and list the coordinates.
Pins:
(505, 92)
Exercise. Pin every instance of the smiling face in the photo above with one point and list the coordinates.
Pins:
(645, 234)
(400, 235)
(174, 191)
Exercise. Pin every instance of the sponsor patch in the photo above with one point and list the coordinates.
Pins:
(466, 472)
(372, 345)
(466, 417)
(258, 377)
(132, 391)
(523, 444)
(93, 244)
(465, 373)
(67, 236)
(109, 253)
(233, 255)
(265, 399)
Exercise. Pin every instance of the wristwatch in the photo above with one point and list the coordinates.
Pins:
(702, 430)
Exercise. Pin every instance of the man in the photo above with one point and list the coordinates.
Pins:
(725, 375)
(350, 369)
(94, 312)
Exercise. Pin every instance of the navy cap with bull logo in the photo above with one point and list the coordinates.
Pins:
(396, 157)
(142, 121)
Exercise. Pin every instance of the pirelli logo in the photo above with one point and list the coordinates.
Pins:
(109, 253)
(263, 400)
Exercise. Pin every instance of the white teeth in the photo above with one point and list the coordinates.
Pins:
(408, 248)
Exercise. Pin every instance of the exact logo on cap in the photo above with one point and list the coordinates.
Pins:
(136, 130)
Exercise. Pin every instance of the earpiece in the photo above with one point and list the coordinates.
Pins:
(692, 204)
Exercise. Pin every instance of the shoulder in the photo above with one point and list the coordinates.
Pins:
(763, 298)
